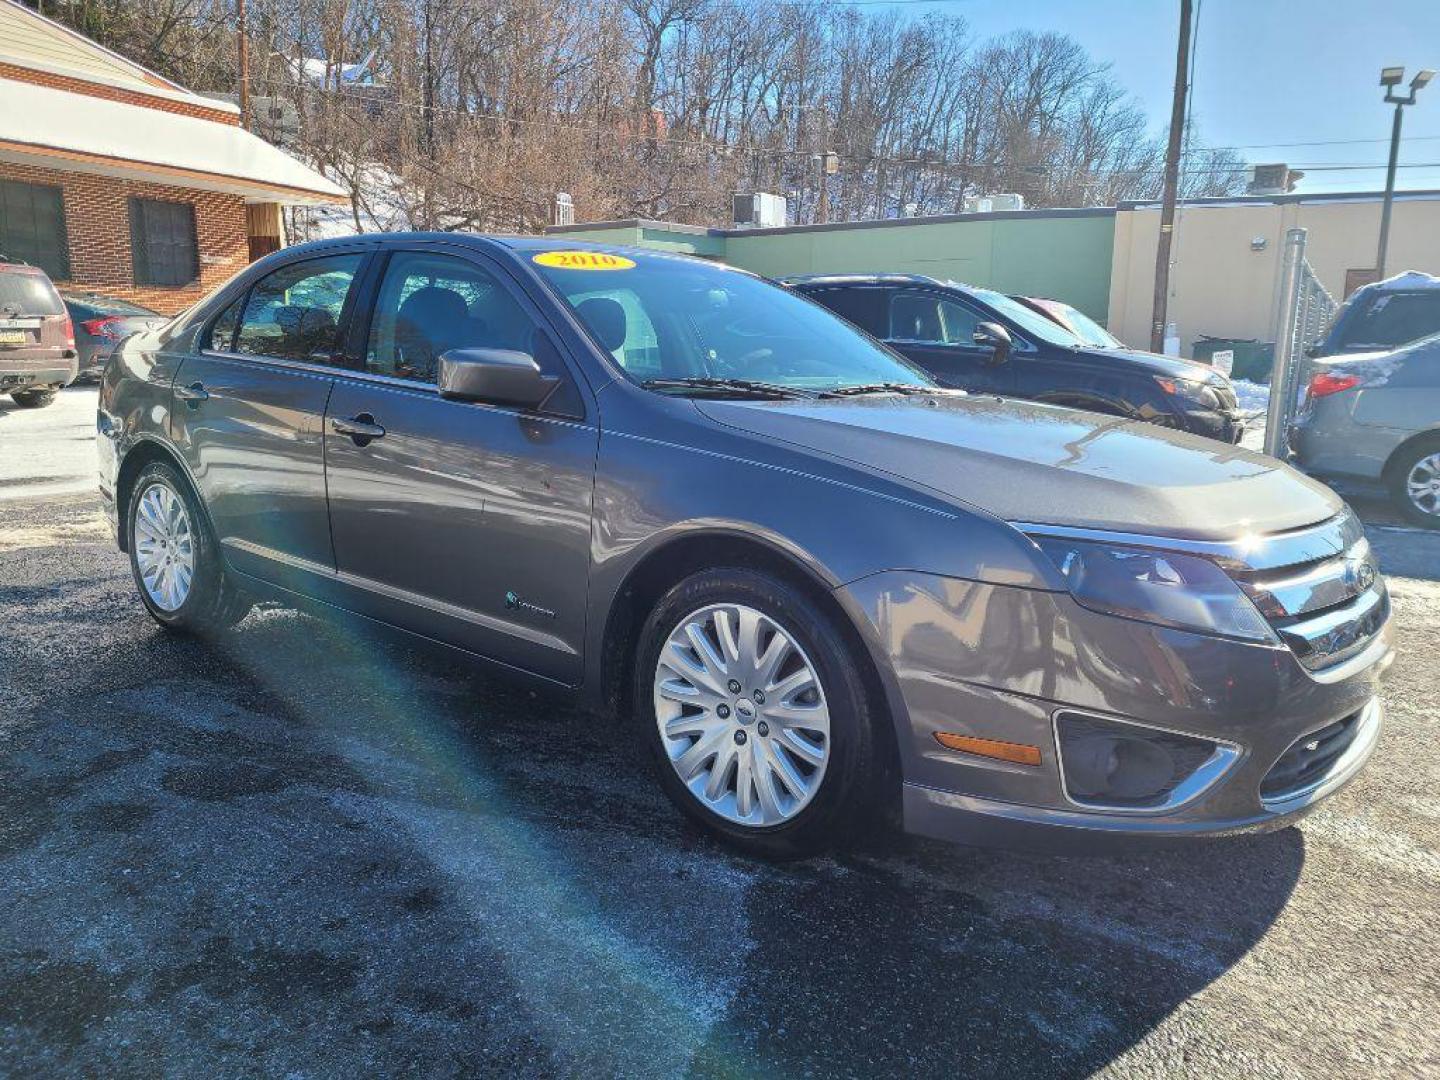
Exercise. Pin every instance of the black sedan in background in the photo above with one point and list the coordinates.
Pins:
(981, 340)
(101, 323)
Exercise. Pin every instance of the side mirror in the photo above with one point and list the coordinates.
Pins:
(494, 376)
(994, 336)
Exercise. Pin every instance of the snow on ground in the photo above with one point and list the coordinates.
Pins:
(1254, 397)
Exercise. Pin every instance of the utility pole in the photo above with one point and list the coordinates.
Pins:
(822, 214)
(1172, 181)
(242, 48)
(1390, 78)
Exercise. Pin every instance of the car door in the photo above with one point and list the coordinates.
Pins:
(938, 333)
(465, 522)
(248, 416)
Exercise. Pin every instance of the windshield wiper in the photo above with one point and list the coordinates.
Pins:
(748, 387)
(879, 388)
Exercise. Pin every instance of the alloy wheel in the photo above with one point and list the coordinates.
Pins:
(164, 545)
(1422, 484)
(742, 715)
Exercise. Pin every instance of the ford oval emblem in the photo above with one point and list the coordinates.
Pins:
(1359, 574)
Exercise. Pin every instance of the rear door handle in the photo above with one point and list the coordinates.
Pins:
(193, 393)
(361, 428)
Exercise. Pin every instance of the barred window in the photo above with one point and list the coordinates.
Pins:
(32, 227)
(162, 242)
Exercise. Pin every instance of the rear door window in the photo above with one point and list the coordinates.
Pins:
(294, 313)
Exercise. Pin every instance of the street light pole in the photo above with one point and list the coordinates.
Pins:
(1390, 78)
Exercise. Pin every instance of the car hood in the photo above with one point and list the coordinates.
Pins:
(1170, 367)
(1024, 461)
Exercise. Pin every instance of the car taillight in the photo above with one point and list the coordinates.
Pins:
(69, 333)
(1327, 383)
(108, 327)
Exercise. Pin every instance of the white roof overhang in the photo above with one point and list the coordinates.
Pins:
(58, 129)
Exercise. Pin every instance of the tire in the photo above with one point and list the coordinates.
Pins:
(763, 740)
(206, 600)
(1414, 474)
(33, 399)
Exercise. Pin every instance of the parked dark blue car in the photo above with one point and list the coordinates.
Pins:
(982, 340)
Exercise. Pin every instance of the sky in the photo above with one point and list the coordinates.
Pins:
(1266, 73)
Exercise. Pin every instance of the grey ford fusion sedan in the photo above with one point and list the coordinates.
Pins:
(822, 586)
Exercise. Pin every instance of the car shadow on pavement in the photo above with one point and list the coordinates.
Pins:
(297, 848)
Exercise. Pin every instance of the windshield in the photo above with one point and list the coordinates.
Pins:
(663, 317)
(1029, 320)
(1087, 329)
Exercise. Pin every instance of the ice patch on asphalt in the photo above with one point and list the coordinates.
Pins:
(633, 993)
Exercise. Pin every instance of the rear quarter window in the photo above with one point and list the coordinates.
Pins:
(28, 293)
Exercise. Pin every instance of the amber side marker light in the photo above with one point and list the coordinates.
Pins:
(1020, 753)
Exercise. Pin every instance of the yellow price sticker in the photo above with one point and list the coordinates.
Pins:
(583, 260)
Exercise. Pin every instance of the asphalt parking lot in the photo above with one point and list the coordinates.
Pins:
(296, 851)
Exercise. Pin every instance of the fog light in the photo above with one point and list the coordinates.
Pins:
(1125, 766)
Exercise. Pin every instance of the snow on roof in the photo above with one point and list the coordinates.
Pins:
(1407, 280)
(60, 129)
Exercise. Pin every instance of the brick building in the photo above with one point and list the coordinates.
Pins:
(118, 181)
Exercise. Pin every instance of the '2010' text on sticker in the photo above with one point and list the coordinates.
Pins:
(583, 260)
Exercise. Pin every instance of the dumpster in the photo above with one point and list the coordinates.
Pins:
(1252, 358)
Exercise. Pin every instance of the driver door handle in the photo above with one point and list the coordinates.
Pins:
(361, 428)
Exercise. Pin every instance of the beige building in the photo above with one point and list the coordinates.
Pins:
(1227, 252)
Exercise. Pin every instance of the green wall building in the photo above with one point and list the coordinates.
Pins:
(1064, 254)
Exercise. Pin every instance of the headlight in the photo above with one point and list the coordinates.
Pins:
(1195, 393)
(1156, 587)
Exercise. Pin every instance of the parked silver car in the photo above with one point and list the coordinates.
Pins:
(819, 584)
(1375, 417)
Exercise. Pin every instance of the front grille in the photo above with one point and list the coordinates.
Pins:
(1309, 759)
(1328, 602)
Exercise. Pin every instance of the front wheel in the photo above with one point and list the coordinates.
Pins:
(174, 558)
(755, 710)
(33, 399)
(1415, 483)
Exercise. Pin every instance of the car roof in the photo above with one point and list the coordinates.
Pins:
(870, 279)
(491, 241)
(21, 268)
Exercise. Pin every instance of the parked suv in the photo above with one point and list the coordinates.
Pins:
(1375, 417)
(818, 582)
(37, 341)
(982, 340)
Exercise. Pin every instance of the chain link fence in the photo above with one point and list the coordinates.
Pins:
(1306, 309)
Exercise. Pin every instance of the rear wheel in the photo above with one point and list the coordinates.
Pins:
(174, 558)
(33, 399)
(1415, 482)
(756, 714)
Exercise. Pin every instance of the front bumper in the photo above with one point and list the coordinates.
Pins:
(1000, 663)
(1218, 424)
